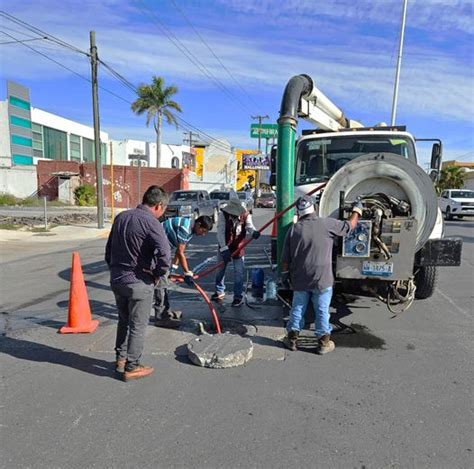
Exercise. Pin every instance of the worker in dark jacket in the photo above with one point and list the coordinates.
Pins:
(306, 266)
(233, 224)
(138, 254)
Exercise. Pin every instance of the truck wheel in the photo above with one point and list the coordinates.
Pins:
(447, 214)
(215, 216)
(426, 280)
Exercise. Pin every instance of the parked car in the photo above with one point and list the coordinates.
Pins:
(191, 204)
(221, 198)
(247, 200)
(456, 203)
(266, 200)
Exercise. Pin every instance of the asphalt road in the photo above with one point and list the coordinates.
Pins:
(398, 393)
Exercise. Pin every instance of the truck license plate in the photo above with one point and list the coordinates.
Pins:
(383, 269)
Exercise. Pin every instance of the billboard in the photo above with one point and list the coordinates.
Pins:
(255, 161)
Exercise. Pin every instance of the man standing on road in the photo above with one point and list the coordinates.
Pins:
(233, 224)
(179, 231)
(306, 267)
(137, 253)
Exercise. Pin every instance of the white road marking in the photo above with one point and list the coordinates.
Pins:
(451, 302)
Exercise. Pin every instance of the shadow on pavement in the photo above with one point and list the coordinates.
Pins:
(34, 352)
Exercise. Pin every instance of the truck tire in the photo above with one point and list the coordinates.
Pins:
(426, 280)
(447, 214)
(391, 175)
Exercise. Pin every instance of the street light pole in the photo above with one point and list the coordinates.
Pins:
(399, 63)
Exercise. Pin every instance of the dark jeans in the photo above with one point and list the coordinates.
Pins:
(161, 303)
(133, 304)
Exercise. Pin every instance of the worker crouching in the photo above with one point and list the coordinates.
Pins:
(306, 268)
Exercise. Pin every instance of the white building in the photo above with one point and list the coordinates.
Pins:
(172, 156)
(29, 134)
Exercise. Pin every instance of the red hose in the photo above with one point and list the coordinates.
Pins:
(215, 318)
(245, 242)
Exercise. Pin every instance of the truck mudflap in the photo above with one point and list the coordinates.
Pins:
(441, 252)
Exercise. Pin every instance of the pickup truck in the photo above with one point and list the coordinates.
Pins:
(191, 204)
(456, 203)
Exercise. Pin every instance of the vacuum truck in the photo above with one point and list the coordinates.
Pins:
(398, 245)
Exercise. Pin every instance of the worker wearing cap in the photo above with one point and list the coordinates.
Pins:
(306, 267)
(233, 224)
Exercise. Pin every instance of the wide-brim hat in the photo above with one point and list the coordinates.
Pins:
(234, 207)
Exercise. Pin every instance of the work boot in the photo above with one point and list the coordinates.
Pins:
(290, 340)
(325, 345)
(139, 371)
(120, 365)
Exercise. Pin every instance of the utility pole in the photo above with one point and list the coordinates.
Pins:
(260, 119)
(95, 110)
(399, 63)
(190, 140)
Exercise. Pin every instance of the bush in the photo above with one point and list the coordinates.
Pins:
(8, 199)
(85, 195)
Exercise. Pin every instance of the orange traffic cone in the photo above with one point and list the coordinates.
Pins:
(79, 314)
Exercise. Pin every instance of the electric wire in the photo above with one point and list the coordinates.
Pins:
(42, 33)
(190, 56)
(213, 53)
(184, 124)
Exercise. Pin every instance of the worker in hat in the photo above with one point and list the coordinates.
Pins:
(233, 224)
(306, 267)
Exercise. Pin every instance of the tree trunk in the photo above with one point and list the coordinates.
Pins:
(158, 139)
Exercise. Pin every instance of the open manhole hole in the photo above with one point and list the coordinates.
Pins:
(230, 326)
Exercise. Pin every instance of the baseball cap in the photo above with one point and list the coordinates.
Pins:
(305, 205)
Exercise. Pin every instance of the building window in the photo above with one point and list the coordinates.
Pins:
(54, 144)
(20, 122)
(175, 162)
(20, 140)
(75, 147)
(37, 140)
(87, 150)
(20, 103)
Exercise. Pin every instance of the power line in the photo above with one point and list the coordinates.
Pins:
(67, 68)
(19, 41)
(190, 56)
(212, 52)
(118, 76)
(41, 33)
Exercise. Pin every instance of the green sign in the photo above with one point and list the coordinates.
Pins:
(263, 130)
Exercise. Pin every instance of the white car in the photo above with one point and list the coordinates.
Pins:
(456, 203)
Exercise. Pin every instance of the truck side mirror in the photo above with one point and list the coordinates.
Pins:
(436, 156)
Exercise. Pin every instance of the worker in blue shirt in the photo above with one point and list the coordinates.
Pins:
(179, 231)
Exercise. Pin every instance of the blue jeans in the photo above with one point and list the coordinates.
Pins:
(238, 277)
(321, 301)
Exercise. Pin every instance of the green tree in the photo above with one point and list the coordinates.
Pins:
(155, 100)
(452, 177)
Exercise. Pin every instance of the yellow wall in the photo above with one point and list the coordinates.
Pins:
(199, 160)
(243, 174)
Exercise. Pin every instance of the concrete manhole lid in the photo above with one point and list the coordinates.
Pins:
(220, 350)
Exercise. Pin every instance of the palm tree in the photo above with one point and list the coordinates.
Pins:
(452, 177)
(155, 100)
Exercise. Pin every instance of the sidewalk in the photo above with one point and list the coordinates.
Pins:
(55, 234)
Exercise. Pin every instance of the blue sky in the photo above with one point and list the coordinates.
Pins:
(349, 47)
